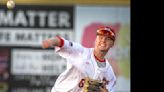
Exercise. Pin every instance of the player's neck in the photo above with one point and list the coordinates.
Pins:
(100, 56)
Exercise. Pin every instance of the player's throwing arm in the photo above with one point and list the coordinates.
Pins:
(50, 42)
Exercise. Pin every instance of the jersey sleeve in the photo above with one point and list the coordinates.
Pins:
(68, 49)
(112, 85)
(112, 82)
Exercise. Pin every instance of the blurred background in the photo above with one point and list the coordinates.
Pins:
(26, 67)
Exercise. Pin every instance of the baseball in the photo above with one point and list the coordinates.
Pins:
(10, 4)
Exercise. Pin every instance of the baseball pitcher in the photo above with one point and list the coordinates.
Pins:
(87, 68)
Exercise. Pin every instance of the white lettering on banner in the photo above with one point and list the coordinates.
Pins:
(30, 37)
(63, 19)
(31, 15)
(4, 37)
(42, 16)
(6, 19)
(37, 62)
(31, 18)
(20, 19)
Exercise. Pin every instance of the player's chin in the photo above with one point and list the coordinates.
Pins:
(103, 48)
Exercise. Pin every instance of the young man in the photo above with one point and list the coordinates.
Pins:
(84, 62)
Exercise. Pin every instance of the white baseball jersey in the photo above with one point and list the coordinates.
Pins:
(81, 63)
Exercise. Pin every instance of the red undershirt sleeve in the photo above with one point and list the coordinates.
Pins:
(61, 41)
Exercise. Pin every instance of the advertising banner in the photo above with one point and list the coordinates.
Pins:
(27, 66)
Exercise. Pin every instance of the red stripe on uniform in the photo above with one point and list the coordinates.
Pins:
(61, 41)
(99, 59)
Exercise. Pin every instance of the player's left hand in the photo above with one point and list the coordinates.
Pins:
(103, 89)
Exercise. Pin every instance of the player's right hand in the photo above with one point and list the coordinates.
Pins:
(46, 43)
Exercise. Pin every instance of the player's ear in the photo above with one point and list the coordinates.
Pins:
(112, 45)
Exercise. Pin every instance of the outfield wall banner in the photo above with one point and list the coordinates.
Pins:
(22, 30)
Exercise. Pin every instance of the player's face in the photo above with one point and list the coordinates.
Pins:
(103, 42)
